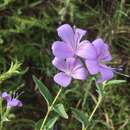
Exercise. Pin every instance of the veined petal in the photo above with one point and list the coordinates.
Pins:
(70, 62)
(106, 73)
(106, 56)
(73, 63)
(59, 63)
(6, 96)
(79, 33)
(80, 73)
(77, 64)
(86, 50)
(62, 50)
(102, 49)
(99, 45)
(62, 79)
(92, 66)
(14, 102)
(66, 33)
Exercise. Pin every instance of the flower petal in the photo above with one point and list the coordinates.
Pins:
(106, 56)
(14, 102)
(102, 49)
(92, 66)
(62, 50)
(62, 79)
(98, 44)
(80, 73)
(79, 33)
(59, 63)
(6, 96)
(86, 50)
(70, 62)
(66, 33)
(106, 73)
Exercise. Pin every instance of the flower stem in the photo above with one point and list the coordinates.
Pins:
(94, 110)
(50, 108)
(84, 128)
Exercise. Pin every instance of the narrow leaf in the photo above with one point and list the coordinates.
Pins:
(59, 108)
(111, 82)
(100, 90)
(38, 124)
(50, 124)
(80, 116)
(43, 90)
(102, 122)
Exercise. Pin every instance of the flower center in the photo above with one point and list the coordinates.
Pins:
(68, 72)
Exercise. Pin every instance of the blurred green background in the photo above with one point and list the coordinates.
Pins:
(27, 31)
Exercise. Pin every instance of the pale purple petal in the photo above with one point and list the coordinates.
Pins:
(77, 64)
(66, 33)
(14, 102)
(106, 56)
(59, 63)
(80, 73)
(92, 66)
(6, 96)
(79, 33)
(62, 50)
(73, 63)
(106, 73)
(99, 45)
(62, 79)
(86, 50)
(102, 49)
(70, 62)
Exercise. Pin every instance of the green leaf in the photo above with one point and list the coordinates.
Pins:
(103, 123)
(59, 108)
(43, 90)
(80, 116)
(50, 123)
(111, 82)
(38, 124)
(100, 90)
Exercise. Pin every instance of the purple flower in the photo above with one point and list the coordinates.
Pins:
(98, 53)
(70, 45)
(71, 68)
(11, 102)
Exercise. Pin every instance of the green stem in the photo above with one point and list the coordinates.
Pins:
(1, 110)
(3, 115)
(87, 89)
(84, 128)
(94, 110)
(99, 101)
(50, 109)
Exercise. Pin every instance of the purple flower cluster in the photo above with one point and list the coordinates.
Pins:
(11, 102)
(77, 59)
